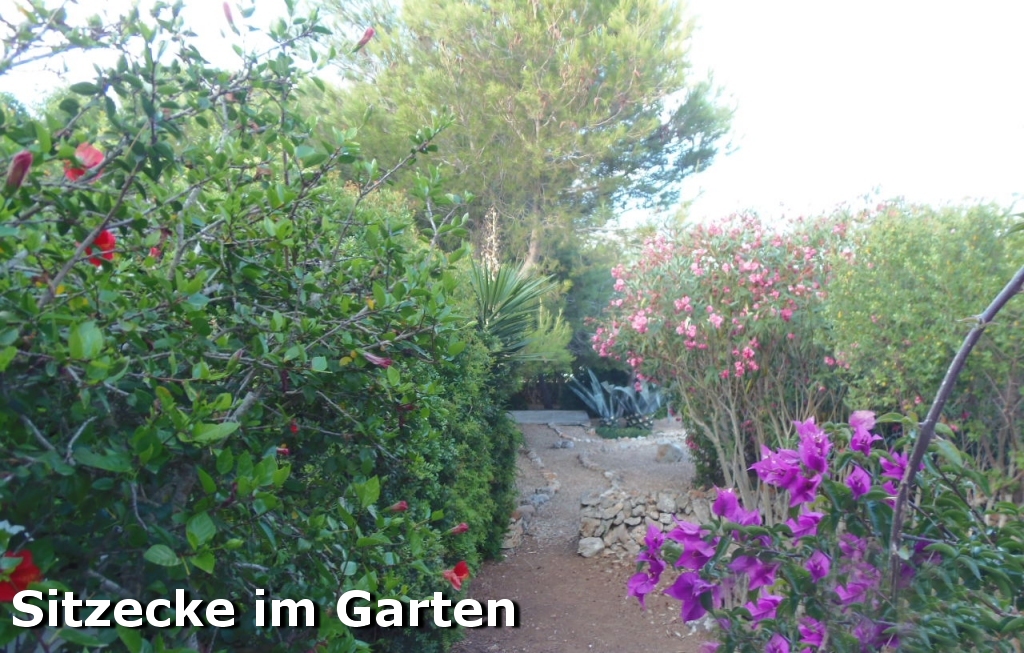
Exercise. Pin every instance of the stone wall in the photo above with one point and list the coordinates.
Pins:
(614, 522)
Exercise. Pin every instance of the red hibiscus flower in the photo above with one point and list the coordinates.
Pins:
(400, 506)
(21, 576)
(293, 427)
(456, 575)
(460, 529)
(105, 243)
(88, 156)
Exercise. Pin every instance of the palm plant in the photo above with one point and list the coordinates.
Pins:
(507, 300)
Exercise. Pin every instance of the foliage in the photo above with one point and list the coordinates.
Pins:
(577, 90)
(600, 397)
(827, 579)
(642, 401)
(728, 316)
(220, 358)
(616, 432)
(508, 301)
(900, 310)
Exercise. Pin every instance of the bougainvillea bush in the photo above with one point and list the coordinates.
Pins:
(901, 304)
(827, 578)
(728, 315)
(225, 366)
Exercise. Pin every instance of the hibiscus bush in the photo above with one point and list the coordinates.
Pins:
(228, 362)
(883, 549)
(729, 316)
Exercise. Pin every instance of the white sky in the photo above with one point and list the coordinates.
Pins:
(835, 100)
(920, 99)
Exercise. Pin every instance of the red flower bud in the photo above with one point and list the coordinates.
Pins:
(293, 427)
(16, 174)
(154, 252)
(367, 35)
(283, 451)
(460, 529)
(378, 360)
(400, 506)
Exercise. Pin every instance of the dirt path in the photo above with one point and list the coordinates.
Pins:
(567, 603)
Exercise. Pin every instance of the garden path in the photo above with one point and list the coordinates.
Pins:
(567, 603)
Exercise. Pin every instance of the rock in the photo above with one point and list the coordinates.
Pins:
(665, 519)
(514, 536)
(702, 510)
(682, 502)
(632, 548)
(590, 546)
(540, 499)
(638, 510)
(616, 535)
(669, 453)
(666, 502)
(590, 527)
(526, 511)
(609, 513)
(590, 499)
(619, 518)
(632, 521)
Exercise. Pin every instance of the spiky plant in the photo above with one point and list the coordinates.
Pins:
(507, 300)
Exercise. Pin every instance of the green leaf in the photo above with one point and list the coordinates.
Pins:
(207, 433)
(456, 348)
(949, 452)
(368, 492)
(161, 554)
(85, 88)
(394, 376)
(131, 638)
(319, 364)
(209, 486)
(118, 462)
(6, 356)
(81, 638)
(204, 561)
(85, 341)
(199, 529)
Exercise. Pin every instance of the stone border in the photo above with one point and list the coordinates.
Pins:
(519, 521)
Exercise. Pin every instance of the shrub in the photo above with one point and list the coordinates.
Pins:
(901, 301)
(220, 360)
(727, 317)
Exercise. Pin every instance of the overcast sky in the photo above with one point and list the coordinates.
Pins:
(835, 100)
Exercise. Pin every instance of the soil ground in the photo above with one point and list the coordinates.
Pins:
(567, 603)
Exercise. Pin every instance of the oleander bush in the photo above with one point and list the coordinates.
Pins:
(228, 361)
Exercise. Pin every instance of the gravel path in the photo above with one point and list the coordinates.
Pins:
(569, 604)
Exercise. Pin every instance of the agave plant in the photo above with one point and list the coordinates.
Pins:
(640, 404)
(601, 398)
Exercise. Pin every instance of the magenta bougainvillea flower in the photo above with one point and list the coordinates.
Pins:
(896, 467)
(814, 445)
(818, 565)
(812, 631)
(806, 524)
(859, 482)
(862, 421)
(688, 589)
(764, 608)
(777, 644)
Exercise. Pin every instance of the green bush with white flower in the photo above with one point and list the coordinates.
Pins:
(224, 363)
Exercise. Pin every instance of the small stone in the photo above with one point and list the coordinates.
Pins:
(619, 518)
(665, 519)
(702, 510)
(616, 535)
(638, 510)
(590, 499)
(669, 453)
(632, 521)
(609, 513)
(540, 499)
(589, 527)
(590, 547)
(666, 502)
